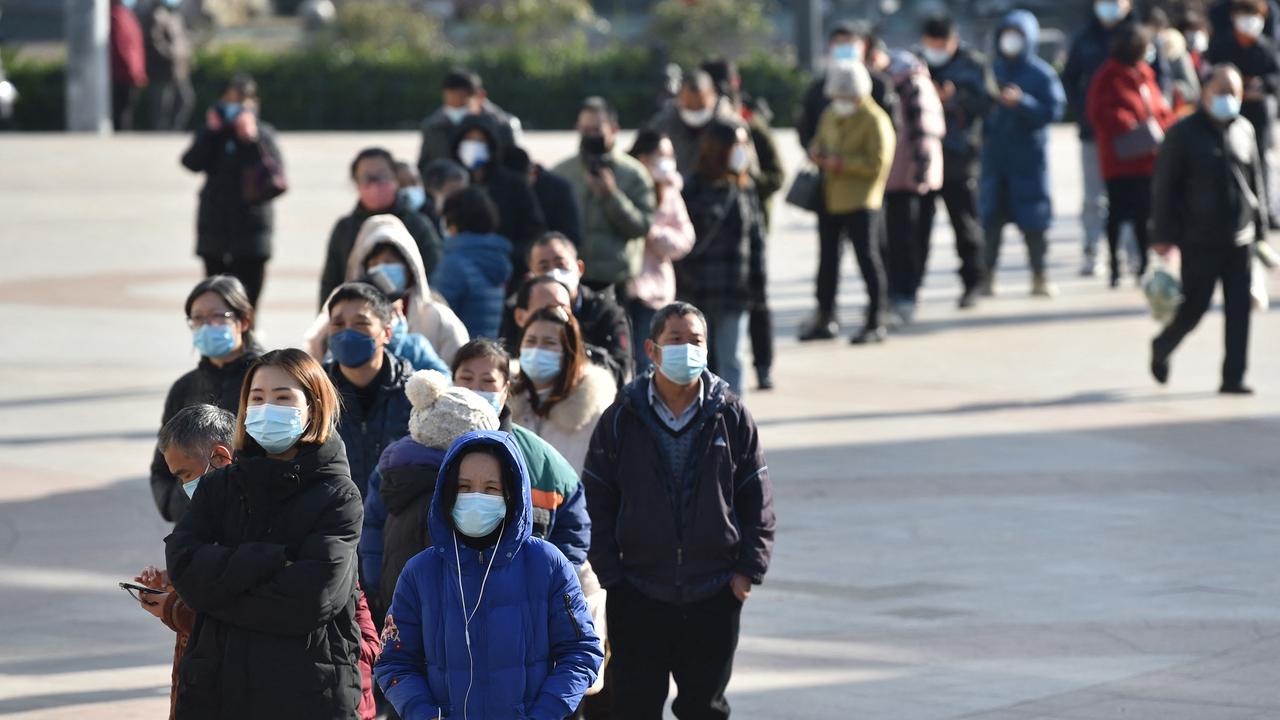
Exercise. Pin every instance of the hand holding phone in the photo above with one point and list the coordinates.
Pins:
(142, 593)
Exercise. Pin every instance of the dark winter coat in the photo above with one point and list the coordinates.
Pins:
(472, 278)
(438, 133)
(1207, 185)
(366, 434)
(717, 273)
(1090, 49)
(266, 555)
(529, 652)
(678, 539)
(605, 330)
(1116, 106)
(1015, 151)
(974, 98)
(206, 384)
(225, 223)
(343, 238)
(559, 205)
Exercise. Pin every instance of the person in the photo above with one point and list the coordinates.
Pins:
(128, 56)
(729, 226)
(409, 187)
(847, 42)
(233, 236)
(555, 195)
(1089, 50)
(686, 120)
(369, 379)
(490, 619)
(1195, 31)
(384, 246)
(463, 96)
(1181, 82)
(476, 263)
(915, 177)
(1222, 21)
(1124, 97)
(854, 146)
(374, 173)
(169, 52)
(221, 319)
(1015, 160)
(967, 88)
(669, 239)
(557, 393)
(266, 556)
(1212, 212)
(542, 291)
(682, 524)
(616, 200)
(442, 178)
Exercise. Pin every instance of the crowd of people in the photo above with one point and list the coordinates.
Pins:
(510, 471)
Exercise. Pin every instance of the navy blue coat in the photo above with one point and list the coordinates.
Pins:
(472, 277)
(1015, 152)
(533, 651)
(368, 434)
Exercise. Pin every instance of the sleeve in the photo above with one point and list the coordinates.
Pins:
(450, 281)
(772, 176)
(753, 502)
(370, 641)
(1107, 114)
(534, 223)
(672, 240)
(619, 341)
(1167, 188)
(576, 652)
(976, 92)
(1043, 104)
(1071, 77)
(1271, 71)
(420, 353)
(871, 158)
(571, 532)
(400, 671)
(370, 547)
(810, 111)
(335, 264)
(599, 481)
(177, 615)
(571, 215)
(199, 157)
(1261, 221)
(171, 499)
(313, 588)
(427, 239)
(630, 208)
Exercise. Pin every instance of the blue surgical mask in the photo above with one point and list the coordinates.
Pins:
(275, 427)
(352, 348)
(542, 366)
(1107, 12)
(682, 364)
(231, 111)
(1151, 56)
(493, 397)
(414, 196)
(173, 3)
(397, 273)
(477, 514)
(214, 341)
(190, 487)
(1224, 107)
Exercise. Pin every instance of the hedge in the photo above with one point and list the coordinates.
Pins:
(339, 90)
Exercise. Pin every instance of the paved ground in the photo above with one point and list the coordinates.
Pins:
(996, 515)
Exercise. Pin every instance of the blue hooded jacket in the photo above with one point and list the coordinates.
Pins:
(1015, 157)
(472, 278)
(533, 651)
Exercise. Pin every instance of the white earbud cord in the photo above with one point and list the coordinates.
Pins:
(467, 617)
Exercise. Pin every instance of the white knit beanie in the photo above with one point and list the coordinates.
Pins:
(442, 413)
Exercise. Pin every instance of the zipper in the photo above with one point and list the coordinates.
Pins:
(568, 609)
(679, 565)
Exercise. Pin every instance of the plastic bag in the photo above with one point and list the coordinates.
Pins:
(1163, 287)
(1258, 286)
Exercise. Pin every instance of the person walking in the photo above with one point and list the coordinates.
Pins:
(682, 525)
(1207, 202)
(233, 234)
(488, 620)
(967, 88)
(854, 147)
(169, 52)
(266, 556)
(1125, 103)
(476, 265)
(1015, 152)
(128, 55)
(221, 320)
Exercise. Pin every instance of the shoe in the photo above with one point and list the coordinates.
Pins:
(1236, 389)
(906, 311)
(969, 299)
(1115, 281)
(1041, 287)
(821, 327)
(870, 336)
(1090, 266)
(1160, 369)
(764, 379)
(987, 288)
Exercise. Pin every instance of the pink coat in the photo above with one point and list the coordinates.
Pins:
(917, 162)
(670, 238)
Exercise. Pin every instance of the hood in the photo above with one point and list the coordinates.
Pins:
(1024, 22)
(513, 538)
(475, 122)
(409, 470)
(491, 253)
(389, 230)
(597, 390)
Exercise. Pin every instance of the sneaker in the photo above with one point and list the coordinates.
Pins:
(1160, 370)
(870, 336)
(1236, 389)
(764, 379)
(1041, 287)
(987, 288)
(821, 327)
(969, 299)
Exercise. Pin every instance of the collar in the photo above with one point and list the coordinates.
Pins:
(665, 414)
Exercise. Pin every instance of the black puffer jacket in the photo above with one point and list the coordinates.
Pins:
(206, 384)
(368, 432)
(225, 223)
(266, 555)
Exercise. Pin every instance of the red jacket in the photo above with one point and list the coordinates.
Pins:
(370, 649)
(1115, 106)
(128, 52)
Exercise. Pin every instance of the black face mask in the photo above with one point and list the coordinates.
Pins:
(593, 145)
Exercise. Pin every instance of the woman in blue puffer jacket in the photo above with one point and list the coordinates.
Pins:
(489, 623)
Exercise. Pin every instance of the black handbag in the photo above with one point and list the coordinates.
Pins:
(1144, 140)
(806, 191)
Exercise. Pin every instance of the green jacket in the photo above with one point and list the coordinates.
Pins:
(613, 227)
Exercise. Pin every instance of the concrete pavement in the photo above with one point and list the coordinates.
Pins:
(996, 515)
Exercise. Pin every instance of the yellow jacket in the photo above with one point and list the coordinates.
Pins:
(865, 143)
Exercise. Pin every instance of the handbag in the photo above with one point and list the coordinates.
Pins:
(1144, 140)
(806, 190)
(263, 180)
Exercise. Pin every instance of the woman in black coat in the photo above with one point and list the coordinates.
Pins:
(233, 236)
(221, 320)
(266, 556)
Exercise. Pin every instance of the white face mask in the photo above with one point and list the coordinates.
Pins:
(936, 57)
(1012, 43)
(1250, 25)
(568, 278)
(473, 153)
(456, 114)
(696, 118)
(1199, 41)
(844, 108)
(738, 159)
(665, 170)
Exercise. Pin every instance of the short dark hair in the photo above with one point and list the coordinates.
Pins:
(195, 429)
(526, 290)
(675, 309)
(373, 153)
(441, 172)
(723, 72)
(244, 84)
(646, 142)
(597, 104)
(551, 236)
(845, 27)
(232, 292)
(460, 78)
(362, 292)
(407, 167)
(483, 348)
(471, 210)
(939, 27)
(697, 80)
(1129, 43)
(1256, 7)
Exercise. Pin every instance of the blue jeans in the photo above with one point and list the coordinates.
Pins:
(726, 332)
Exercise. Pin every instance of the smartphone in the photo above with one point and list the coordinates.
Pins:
(128, 586)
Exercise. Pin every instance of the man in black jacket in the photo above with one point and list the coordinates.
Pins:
(1207, 202)
(463, 95)
(555, 195)
(682, 524)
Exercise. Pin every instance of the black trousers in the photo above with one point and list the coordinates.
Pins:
(909, 218)
(124, 105)
(1202, 269)
(760, 326)
(653, 641)
(250, 271)
(960, 195)
(863, 229)
(1128, 200)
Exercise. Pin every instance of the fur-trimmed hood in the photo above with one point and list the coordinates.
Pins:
(584, 405)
